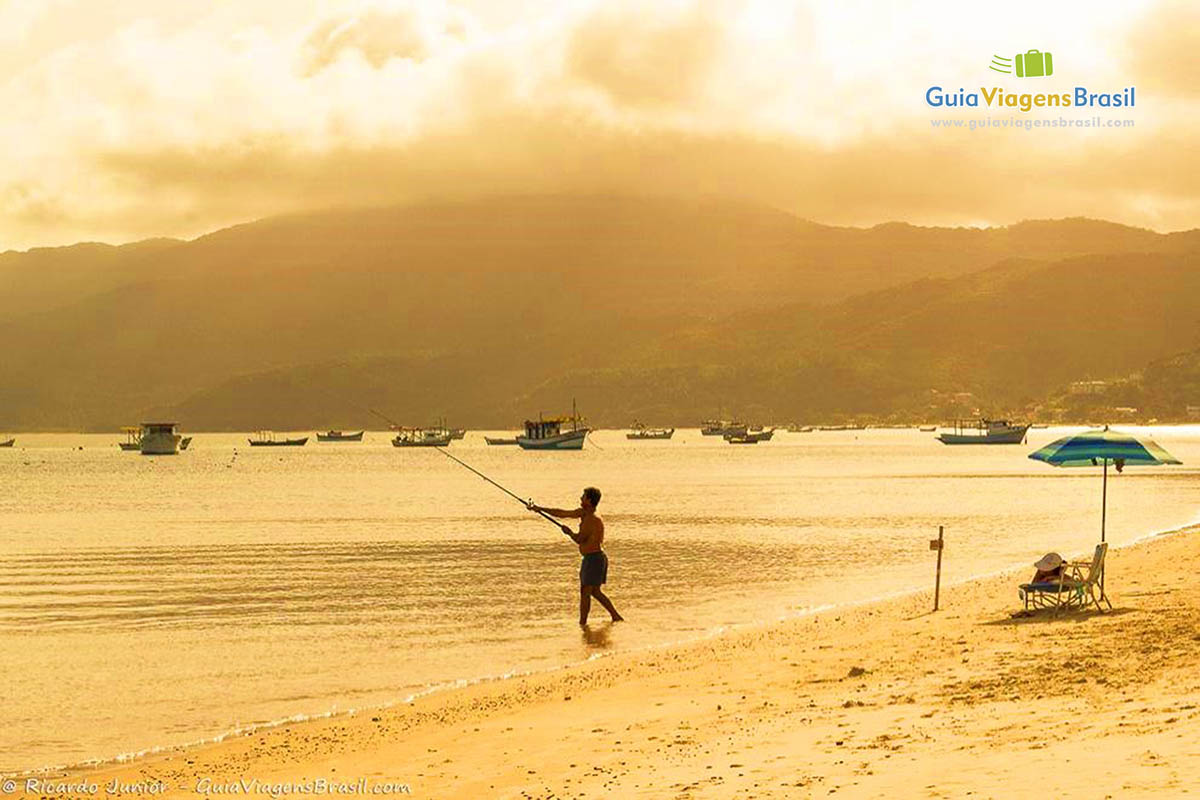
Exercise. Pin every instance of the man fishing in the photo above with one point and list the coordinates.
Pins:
(593, 570)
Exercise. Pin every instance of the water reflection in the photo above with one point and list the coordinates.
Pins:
(597, 636)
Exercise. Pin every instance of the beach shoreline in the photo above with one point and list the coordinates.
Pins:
(842, 692)
(459, 684)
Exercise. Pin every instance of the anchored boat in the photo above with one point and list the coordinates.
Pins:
(640, 431)
(133, 438)
(985, 431)
(747, 437)
(159, 438)
(267, 439)
(422, 437)
(497, 441)
(548, 434)
(723, 427)
(8, 442)
(339, 436)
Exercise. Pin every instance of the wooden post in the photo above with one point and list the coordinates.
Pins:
(937, 544)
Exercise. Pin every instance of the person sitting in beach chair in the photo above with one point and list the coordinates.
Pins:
(1049, 568)
(1060, 584)
(1050, 580)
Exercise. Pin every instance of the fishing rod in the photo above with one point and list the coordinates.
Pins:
(525, 503)
(385, 418)
(501, 488)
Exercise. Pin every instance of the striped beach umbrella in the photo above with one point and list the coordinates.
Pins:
(1100, 447)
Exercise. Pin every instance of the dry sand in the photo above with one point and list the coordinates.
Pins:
(882, 700)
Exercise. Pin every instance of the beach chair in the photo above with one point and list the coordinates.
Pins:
(1079, 586)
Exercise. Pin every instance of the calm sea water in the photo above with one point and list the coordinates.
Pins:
(153, 601)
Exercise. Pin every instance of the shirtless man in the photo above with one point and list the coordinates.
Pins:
(593, 570)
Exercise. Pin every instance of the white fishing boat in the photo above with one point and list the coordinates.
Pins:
(422, 437)
(548, 434)
(985, 431)
(640, 431)
(159, 439)
(340, 436)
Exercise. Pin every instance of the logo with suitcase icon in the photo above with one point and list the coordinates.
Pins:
(1030, 64)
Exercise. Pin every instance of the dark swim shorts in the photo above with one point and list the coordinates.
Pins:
(593, 570)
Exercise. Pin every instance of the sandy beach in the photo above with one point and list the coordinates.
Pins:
(880, 700)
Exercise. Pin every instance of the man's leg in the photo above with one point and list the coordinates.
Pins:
(608, 606)
(585, 602)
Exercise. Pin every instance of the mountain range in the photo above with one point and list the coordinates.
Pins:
(490, 311)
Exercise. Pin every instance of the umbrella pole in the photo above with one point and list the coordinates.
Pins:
(1104, 501)
(1103, 519)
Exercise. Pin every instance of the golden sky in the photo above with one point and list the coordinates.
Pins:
(124, 120)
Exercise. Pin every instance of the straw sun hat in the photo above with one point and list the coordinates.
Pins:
(1048, 562)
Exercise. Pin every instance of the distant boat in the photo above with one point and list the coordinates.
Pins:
(184, 442)
(722, 427)
(422, 437)
(548, 434)
(8, 443)
(750, 437)
(497, 441)
(338, 436)
(985, 431)
(744, 438)
(927, 428)
(267, 439)
(159, 438)
(133, 439)
(640, 431)
(1040, 426)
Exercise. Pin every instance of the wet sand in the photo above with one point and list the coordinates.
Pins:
(885, 699)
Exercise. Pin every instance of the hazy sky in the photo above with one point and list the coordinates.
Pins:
(124, 119)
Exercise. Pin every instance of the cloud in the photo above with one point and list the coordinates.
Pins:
(868, 181)
(643, 56)
(379, 34)
(165, 125)
(1163, 46)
